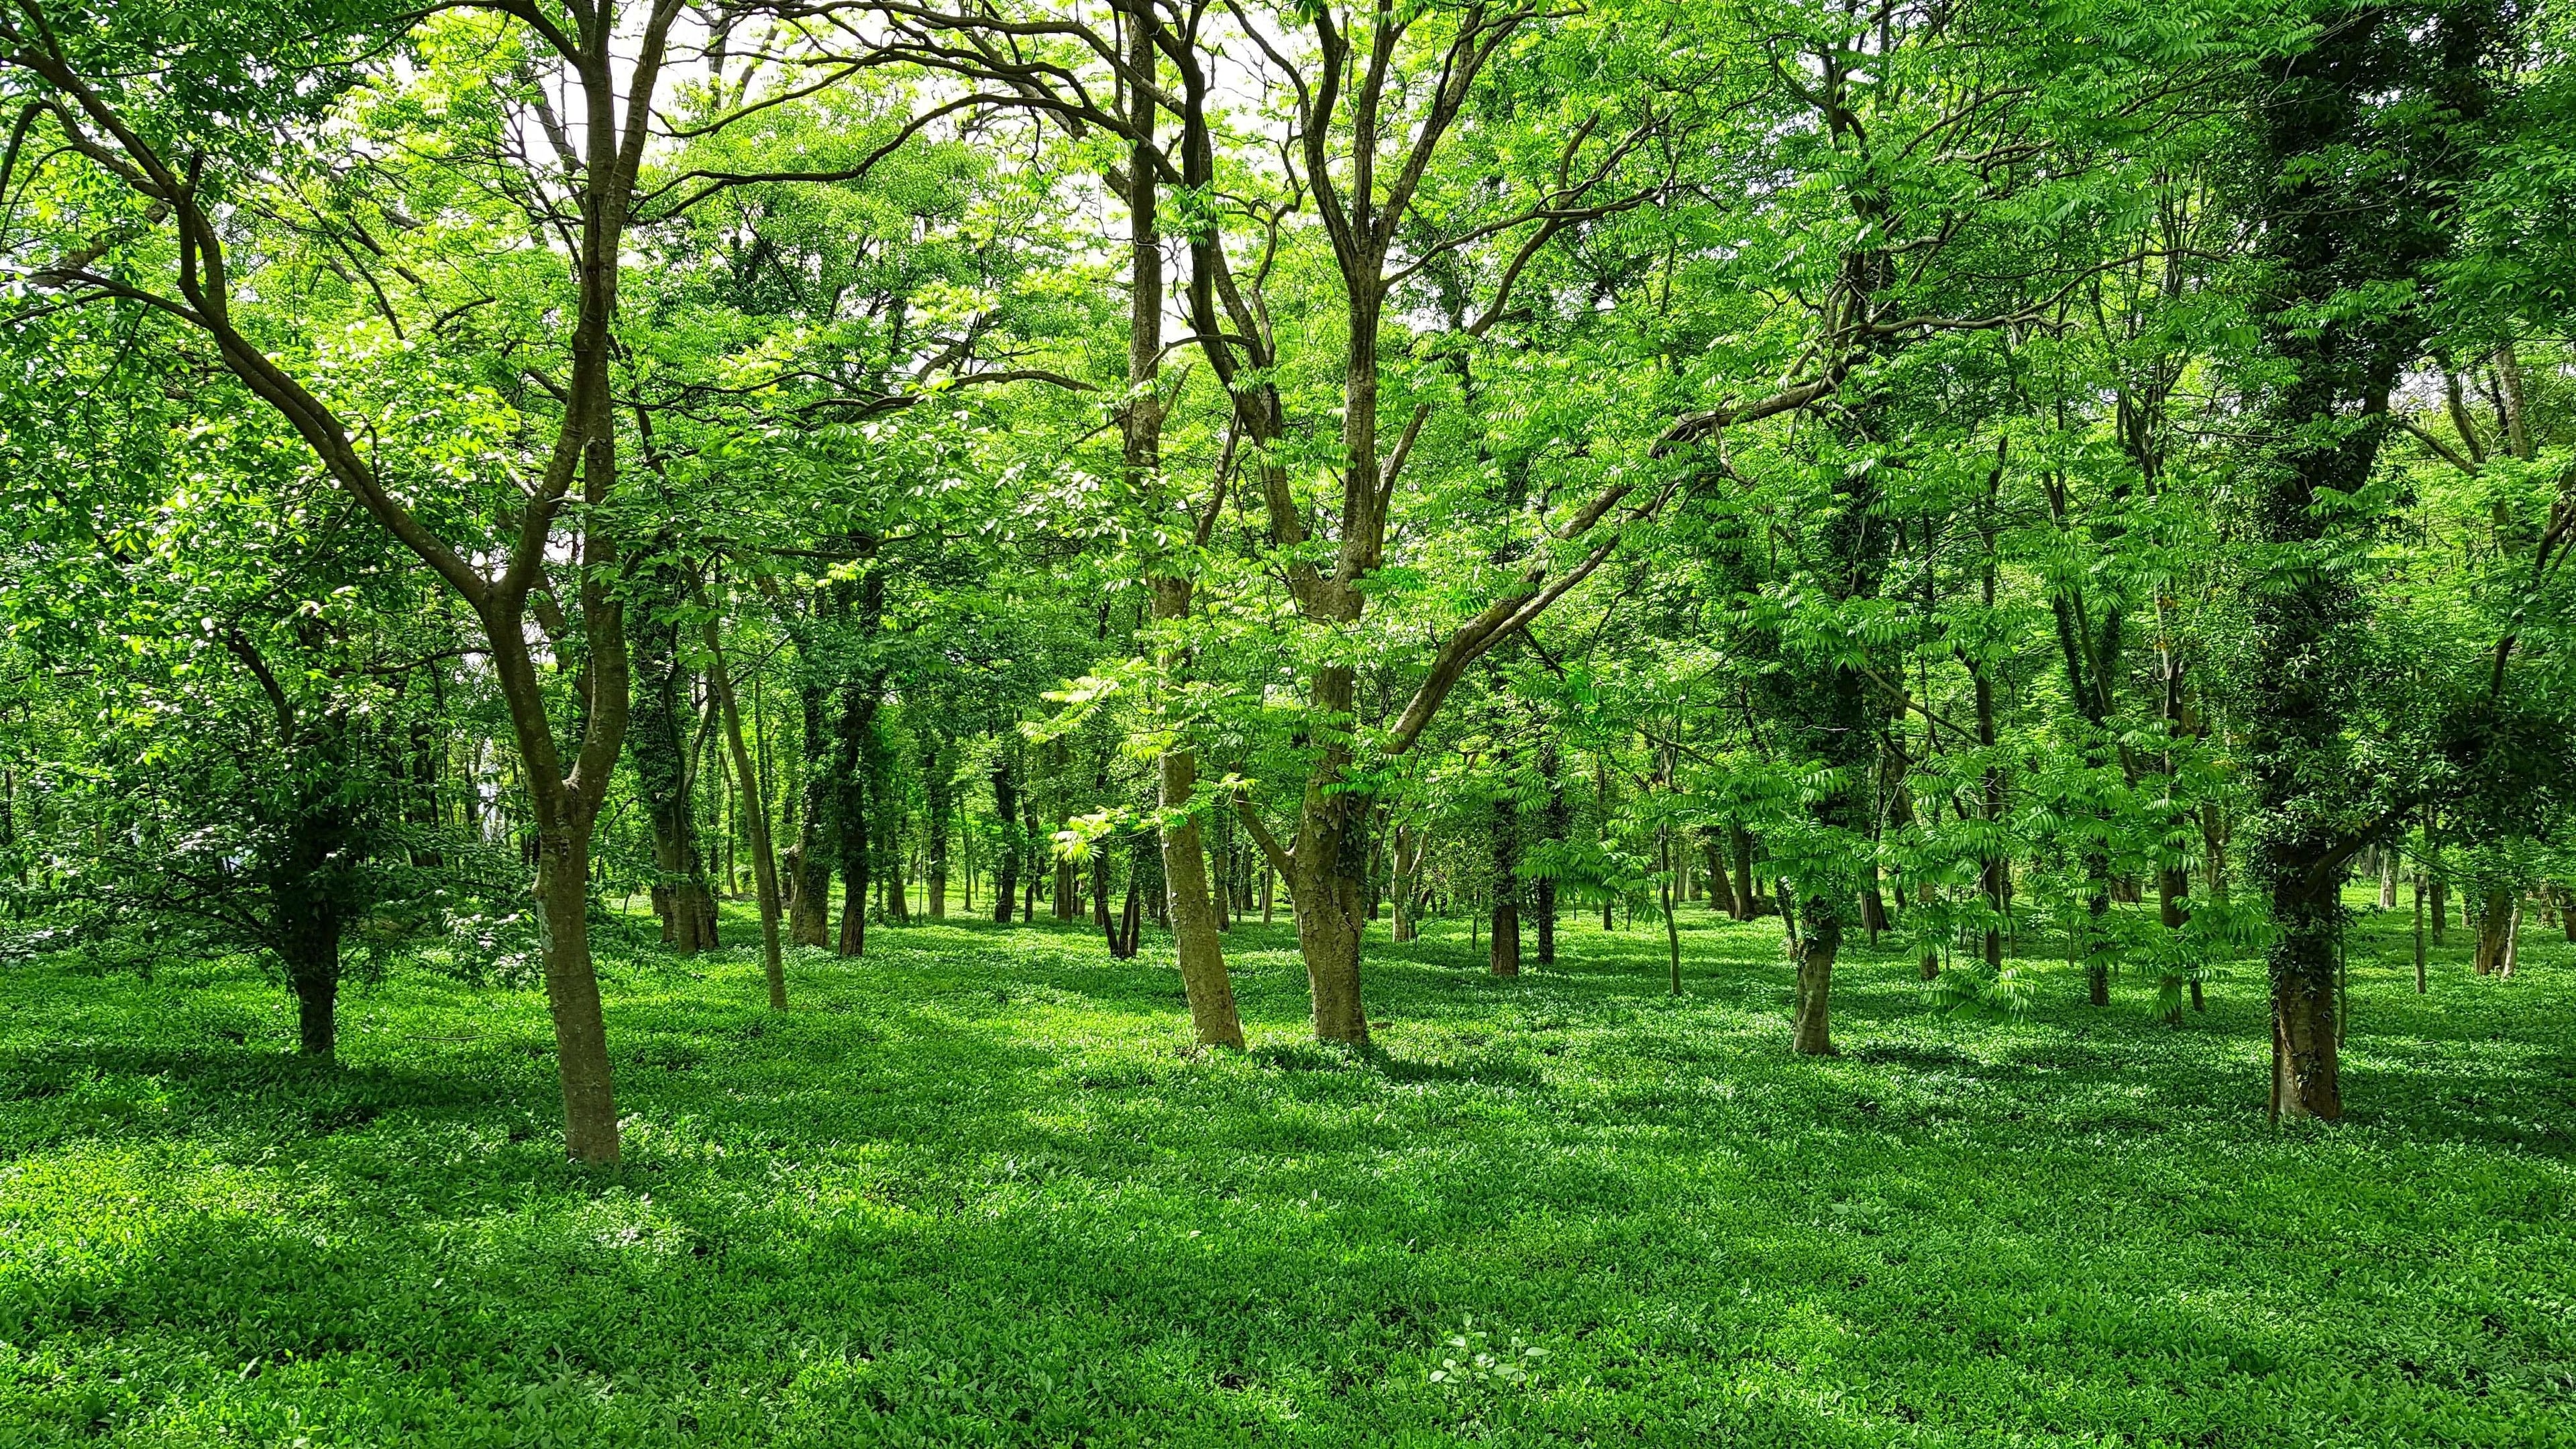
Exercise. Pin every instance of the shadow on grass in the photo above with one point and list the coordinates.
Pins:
(977, 1186)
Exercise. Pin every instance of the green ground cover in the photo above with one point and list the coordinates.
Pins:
(976, 1189)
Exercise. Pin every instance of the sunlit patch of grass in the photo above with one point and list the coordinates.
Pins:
(980, 1188)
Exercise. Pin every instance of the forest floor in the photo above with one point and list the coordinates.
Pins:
(978, 1189)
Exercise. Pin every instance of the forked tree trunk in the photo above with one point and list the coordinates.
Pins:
(1112, 927)
(1721, 892)
(565, 808)
(1408, 866)
(581, 465)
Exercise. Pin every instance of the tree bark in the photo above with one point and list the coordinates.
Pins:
(2173, 895)
(1194, 930)
(937, 800)
(682, 896)
(1721, 891)
(2330, 230)
(809, 893)
(1819, 938)
(851, 812)
(755, 815)
(309, 946)
(1505, 957)
(2497, 916)
(572, 995)
(1408, 885)
(1007, 849)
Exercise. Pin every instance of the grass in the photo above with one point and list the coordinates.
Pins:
(977, 1190)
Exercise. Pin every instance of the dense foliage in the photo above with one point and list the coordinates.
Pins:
(2054, 494)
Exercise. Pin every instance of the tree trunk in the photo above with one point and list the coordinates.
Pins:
(1201, 949)
(1721, 892)
(1408, 862)
(1557, 822)
(1601, 803)
(2421, 985)
(1747, 904)
(2497, 917)
(851, 813)
(937, 799)
(2306, 1071)
(1819, 937)
(316, 1000)
(565, 809)
(572, 993)
(1326, 906)
(1328, 898)
(1112, 927)
(1505, 959)
(755, 815)
(681, 894)
(2173, 891)
(891, 860)
(1029, 860)
(2329, 230)
(1221, 866)
(1006, 853)
(809, 871)
(309, 945)
(1131, 924)
(1672, 927)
